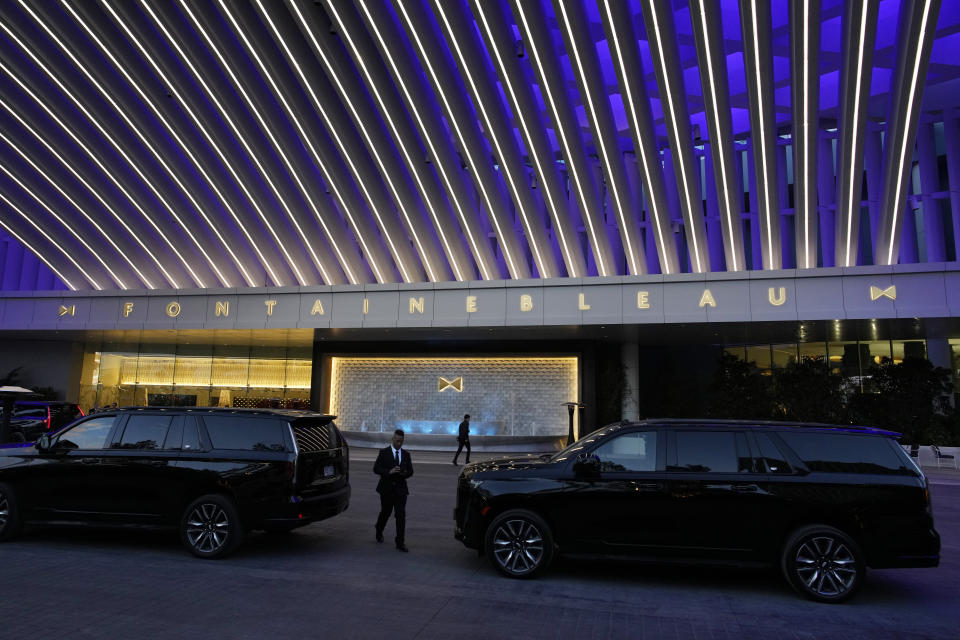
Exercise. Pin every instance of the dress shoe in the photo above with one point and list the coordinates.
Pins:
(454, 463)
(402, 547)
(379, 537)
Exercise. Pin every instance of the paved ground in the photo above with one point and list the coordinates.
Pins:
(331, 580)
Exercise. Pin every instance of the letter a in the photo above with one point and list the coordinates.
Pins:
(317, 308)
(707, 299)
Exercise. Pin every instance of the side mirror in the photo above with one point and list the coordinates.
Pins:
(43, 444)
(586, 465)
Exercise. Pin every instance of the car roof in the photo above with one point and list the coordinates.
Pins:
(765, 424)
(284, 413)
(44, 403)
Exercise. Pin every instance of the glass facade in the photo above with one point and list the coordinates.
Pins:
(202, 369)
(852, 358)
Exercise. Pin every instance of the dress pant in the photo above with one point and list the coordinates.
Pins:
(460, 448)
(397, 503)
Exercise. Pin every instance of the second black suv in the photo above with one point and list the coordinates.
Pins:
(31, 419)
(822, 502)
(212, 473)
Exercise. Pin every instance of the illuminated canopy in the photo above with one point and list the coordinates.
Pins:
(150, 144)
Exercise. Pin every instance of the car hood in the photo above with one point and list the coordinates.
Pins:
(527, 461)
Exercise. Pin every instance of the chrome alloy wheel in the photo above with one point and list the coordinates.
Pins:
(518, 546)
(4, 511)
(208, 527)
(826, 566)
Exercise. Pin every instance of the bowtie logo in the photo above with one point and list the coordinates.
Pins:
(456, 384)
(890, 292)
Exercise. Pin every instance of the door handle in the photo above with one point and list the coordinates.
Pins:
(746, 488)
(90, 460)
(157, 463)
(649, 486)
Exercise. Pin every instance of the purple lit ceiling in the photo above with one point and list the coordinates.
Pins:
(244, 143)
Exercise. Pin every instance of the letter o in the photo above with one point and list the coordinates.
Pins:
(173, 309)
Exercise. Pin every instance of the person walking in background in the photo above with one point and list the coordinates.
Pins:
(394, 466)
(463, 438)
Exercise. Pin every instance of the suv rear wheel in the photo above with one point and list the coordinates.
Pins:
(519, 543)
(10, 522)
(823, 563)
(210, 527)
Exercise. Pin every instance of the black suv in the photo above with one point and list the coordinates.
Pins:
(31, 419)
(822, 502)
(213, 473)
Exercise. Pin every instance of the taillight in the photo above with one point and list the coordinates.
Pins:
(82, 414)
(48, 420)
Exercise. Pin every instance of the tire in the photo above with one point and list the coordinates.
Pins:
(823, 564)
(11, 522)
(519, 544)
(210, 527)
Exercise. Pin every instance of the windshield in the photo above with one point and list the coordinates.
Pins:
(571, 450)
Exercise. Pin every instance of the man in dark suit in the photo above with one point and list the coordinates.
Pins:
(463, 438)
(394, 466)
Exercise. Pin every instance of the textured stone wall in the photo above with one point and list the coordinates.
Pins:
(504, 396)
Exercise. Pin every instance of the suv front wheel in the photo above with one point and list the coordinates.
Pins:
(519, 543)
(210, 527)
(823, 563)
(10, 522)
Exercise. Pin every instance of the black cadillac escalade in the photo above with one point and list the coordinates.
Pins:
(214, 474)
(822, 502)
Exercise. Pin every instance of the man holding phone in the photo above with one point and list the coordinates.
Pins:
(394, 466)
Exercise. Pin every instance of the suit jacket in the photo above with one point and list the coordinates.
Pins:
(393, 482)
(464, 433)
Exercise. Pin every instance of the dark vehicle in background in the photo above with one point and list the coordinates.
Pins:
(214, 474)
(33, 418)
(821, 502)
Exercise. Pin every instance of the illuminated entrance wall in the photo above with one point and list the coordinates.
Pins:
(504, 396)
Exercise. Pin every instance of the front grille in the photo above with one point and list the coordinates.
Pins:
(313, 438)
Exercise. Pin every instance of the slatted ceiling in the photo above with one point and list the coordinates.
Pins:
(156, 144)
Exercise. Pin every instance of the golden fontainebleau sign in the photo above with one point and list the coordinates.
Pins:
(416, 305)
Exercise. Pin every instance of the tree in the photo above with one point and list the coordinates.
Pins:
(911, 397)
(740, 390)
(808, 391)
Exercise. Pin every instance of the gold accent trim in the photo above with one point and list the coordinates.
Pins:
(890, 292)
(456, 384)
(67, 311)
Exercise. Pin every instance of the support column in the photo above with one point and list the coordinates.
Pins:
(929, 184)
(630, 359)
(951, 134)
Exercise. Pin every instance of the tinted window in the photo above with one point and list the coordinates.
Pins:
(64, 414)
(629, 452)
(91, 434)
(843, 452)
(706, 451)
(246, 434)
(38, 413)
(144, 432)
(774, 461)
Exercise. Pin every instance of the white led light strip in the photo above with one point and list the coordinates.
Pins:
(136, 130)
(186, 149)
(332, 74)
(345, 149)
(684, 179)
(805, 133)
(120, 150)
(266, 129)
(452, 192)
(641, 148)
(56, 244)
(555, 209)
(53, 183)
(133, 165)
(911, 102)
(470, 151)
(852, 189)
(104, 171)
(64, 223)
(763, 139)
(602, 143)
(237, 134)
(601, 267)
(730, 209)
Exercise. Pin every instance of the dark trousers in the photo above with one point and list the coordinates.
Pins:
(390, 501)
(460, 448)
